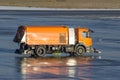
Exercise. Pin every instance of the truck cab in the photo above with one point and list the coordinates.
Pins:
(84, 37)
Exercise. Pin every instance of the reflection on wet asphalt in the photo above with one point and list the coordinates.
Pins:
(55, 68)
(63, 68)
(105, 66)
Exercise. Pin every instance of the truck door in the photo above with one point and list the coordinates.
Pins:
(86, 38)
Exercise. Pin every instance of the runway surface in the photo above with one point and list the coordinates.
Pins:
(104, 66)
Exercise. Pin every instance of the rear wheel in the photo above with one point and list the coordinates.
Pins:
(40, 51)
(80, 50)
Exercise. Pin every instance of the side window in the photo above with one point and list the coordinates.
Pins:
(86, 34)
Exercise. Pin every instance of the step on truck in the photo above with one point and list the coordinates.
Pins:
(41, 40)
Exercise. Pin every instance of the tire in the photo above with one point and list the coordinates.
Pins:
(80, 50)
(30, 52)
(40, 51)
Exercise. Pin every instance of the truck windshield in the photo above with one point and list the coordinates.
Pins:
(86, 34)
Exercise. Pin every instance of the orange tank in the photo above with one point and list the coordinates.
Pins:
(46, 35)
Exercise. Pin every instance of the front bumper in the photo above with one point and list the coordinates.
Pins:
(92, 50)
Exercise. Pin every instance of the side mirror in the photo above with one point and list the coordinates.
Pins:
(91, 31)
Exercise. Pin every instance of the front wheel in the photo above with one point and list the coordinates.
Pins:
(80, 50)
(40, 51)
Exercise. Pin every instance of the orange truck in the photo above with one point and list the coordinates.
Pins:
(41, 40)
